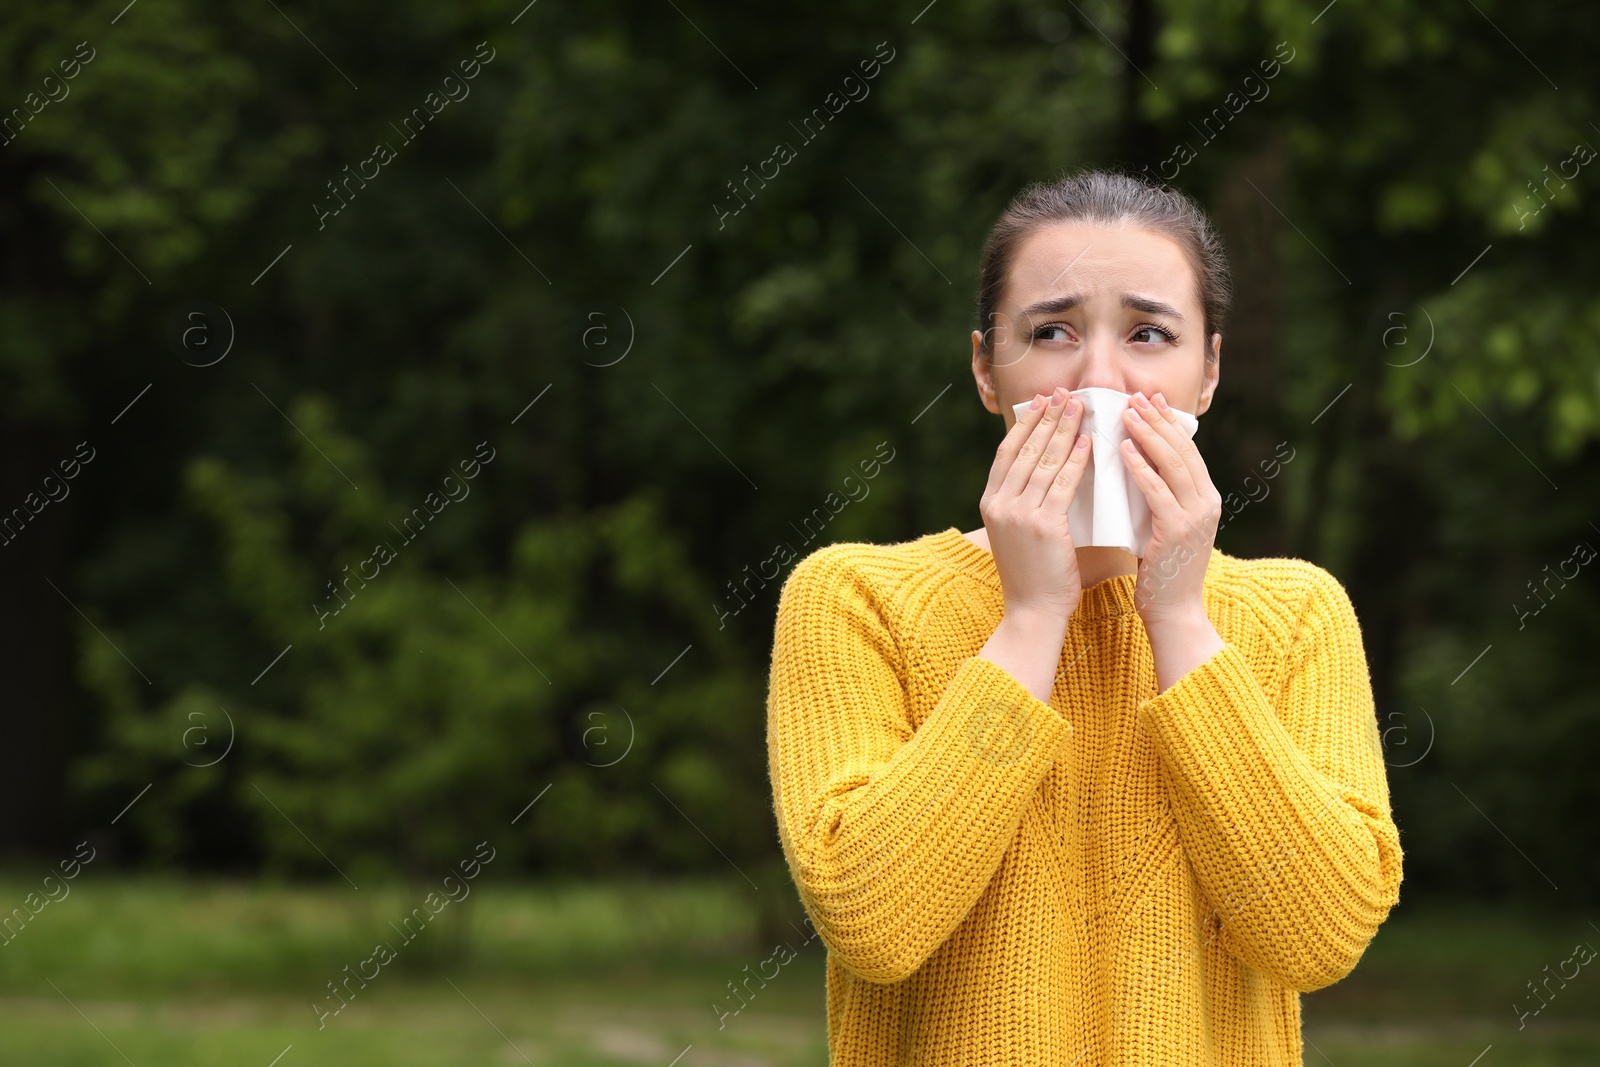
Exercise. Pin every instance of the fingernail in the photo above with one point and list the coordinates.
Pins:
(1135, 416)
(1056, 399)
(1037, 400)
(1140, 400)
(1161, 402)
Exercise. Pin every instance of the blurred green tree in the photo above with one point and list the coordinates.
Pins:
(1411, 319)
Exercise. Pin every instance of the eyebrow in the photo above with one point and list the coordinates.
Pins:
(1066, 302)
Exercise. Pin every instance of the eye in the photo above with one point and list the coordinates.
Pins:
(1053, 331)
(1167, 335)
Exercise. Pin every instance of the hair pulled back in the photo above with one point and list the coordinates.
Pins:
(1110, 198)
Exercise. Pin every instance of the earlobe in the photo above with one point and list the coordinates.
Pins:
(983, 374)
(1213, 366)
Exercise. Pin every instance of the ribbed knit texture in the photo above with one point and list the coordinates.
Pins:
(1114, 878)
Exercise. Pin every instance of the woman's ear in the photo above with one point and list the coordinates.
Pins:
(1212, 369)
(983, 374)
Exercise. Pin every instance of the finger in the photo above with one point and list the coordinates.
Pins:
(1167, 512)
(1006, 454)
(1057, 452)
(1064, 487)
(1152, 432)
(1033, 447)
(1185, 445)
(1157, 493)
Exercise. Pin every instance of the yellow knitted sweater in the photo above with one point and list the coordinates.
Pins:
(1118, 877)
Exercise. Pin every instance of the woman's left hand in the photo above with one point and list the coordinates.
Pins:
(1185, 509)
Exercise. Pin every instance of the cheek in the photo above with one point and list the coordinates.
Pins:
(1020, 389)
(1181, 391)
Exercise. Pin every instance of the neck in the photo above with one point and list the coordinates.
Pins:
(1097, 563)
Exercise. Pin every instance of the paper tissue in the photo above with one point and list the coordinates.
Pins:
(1109, 507)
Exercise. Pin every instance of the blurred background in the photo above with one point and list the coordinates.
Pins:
(402, 405)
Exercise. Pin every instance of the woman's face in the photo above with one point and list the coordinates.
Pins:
(1094, 305)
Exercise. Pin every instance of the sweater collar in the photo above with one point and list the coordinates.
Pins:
(1107, 598)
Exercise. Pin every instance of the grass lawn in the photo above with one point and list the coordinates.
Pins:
(180, 973)
(1439, 987)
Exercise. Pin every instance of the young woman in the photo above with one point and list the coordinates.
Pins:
(1063, 806)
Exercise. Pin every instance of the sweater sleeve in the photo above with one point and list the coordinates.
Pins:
(1282, 804)
(891, 833)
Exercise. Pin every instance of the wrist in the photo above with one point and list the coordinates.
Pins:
(1034, 618)
(1180, 642)
(1027, 644)
(1186, 619)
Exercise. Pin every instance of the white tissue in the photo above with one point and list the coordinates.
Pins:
(1109, 507)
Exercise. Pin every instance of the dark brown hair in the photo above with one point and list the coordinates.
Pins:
(1112, 198)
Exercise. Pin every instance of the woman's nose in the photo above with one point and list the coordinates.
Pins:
(1101, 366)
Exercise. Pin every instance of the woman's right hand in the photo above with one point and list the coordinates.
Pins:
(1035, 475)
